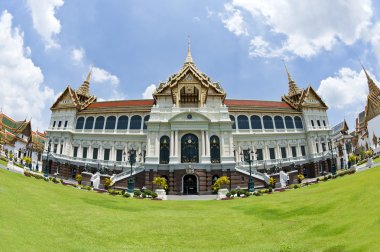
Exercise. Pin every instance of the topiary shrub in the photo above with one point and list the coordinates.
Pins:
(107, 182)
(127, 195)
(78, 178)
(148, 192)
(160, 182)
(143, 195)
(136, 193)
(272, 182)
(233, 192)
(154, 195)
(246, 194)
(223, 181)
(300, 177)
(228, 195)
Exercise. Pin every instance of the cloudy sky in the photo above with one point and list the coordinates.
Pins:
(47, 44)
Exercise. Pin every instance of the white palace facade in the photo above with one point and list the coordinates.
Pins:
(189, 133)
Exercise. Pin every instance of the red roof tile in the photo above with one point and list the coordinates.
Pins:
(124, 103)
(256, 103)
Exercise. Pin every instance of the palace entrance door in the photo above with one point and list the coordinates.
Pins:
(189, 149)
(190, 185)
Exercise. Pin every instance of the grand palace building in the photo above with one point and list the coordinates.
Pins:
(190, 133)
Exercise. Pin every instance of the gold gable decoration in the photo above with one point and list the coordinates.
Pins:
(373, 99)
(189, 85)
(79, 99)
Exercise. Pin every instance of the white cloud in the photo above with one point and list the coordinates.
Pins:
(23, 94)
(233, 20)
(100, 75)
(346, 91)
(258, 47)
(304, 28)
(77, 55)
(149, 91)
(44, 20)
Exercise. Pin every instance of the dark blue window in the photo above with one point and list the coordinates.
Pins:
(232, 118)
(268, 122)
(289, 122)
(80, 122)
(146, 118)
(164, 150)
(243, 122)
(122, 123)
(298, 122)
(135, 122)
(256, 122)
(89, 123)
(99, 122)
(110, 123)
(279, 122)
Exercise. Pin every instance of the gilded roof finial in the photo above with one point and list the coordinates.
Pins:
(189, 59)
(373, 89)
(84, 89)
(293, 88)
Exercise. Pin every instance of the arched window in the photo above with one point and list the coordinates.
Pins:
(289, 122)
(298, 122)
(164, 150)
(146, 118)
(243, 122)
(89, 123)
(99, 122)
(110, 123)
(135, 122)
(279, 122)
(214, 149)
(256, 122)
(122, 123)
(268, 122)
(80, 122)
(232, 118)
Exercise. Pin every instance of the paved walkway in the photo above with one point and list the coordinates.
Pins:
(192, 197)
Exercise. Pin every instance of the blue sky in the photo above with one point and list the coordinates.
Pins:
(48, 44)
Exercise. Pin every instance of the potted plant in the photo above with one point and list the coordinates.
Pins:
(272, 182)
(78, 178)
(300, 177)
(220, 185)
(162, 186)
(107, 182)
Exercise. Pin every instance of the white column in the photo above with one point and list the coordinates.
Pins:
(177, 143)
(203, 144)
(157, 147)
(207, 146)
(172, 143)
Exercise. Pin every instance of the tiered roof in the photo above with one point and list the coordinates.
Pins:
(10, 129)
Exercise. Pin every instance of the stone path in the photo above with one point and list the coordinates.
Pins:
(192, 197)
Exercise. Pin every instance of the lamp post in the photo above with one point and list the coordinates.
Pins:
(333, 166)
(251, 185)
(132, 161)
(47, 160)
(124, 154)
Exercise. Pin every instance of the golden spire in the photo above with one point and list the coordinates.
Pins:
(293, 88)
(189, 59)
(373, 89)
(84, 89)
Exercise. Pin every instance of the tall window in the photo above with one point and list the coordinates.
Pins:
(122, 123)
(215, 149)
(289, 122)
(84, 152)
(279, 122)
(164, 150)
(110, 123)
(55, 148)
(317, 145)
(243, 122)
(135, 122)
(65, 125)
(298, 122)
(232, 118)
(283, 152)
(294, 151)
(324, 123)
(119, 155)
(89, 123)
(259, 154)
(256, 122)
(95, 153)
(61, 149)
(272, 154)
(99, 123)
(319, 123)
(106, 154)
(146, 118)
(303, 151)
(54, 124)
(323, 147)
(80, 123)
(59, 124)
(75, 154)
(312, 123)
(268, 122)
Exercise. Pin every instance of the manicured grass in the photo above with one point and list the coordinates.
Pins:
(4, 163)
(376, 160)
(338, 215)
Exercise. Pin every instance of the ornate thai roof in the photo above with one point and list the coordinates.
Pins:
(373, 99)
(10, 129)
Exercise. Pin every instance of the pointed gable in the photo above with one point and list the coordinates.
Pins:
(66, 100)
(189, 82)
(310, 98)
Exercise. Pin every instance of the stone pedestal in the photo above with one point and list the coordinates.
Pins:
(222, 193)
(161, 194)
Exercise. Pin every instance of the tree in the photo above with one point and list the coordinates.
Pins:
(27, 160)
(223, 180)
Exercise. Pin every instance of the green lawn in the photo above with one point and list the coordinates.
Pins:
(376, 160)
(4, 163)
(338, 215)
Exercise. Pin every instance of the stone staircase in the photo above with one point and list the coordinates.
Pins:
(258, 175)
(126, 174)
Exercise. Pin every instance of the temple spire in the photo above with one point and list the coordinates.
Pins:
(373, 89)
(189, 59)
(293, 88)
(84, 89)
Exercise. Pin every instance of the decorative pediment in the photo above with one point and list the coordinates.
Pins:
(310, 98)
(189, 117)
(66, 100)
(189, 85)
